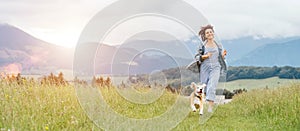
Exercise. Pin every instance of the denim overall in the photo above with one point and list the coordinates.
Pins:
(211, 69)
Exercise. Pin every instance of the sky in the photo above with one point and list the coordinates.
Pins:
(61, 21)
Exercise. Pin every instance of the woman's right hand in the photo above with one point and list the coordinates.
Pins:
(206, 56)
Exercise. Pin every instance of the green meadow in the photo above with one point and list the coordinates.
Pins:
(32, 106)
(249, 84)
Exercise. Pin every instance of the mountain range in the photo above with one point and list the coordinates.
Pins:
(22, 52)
(274, 54)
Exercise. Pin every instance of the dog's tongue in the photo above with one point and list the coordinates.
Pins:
(199, 92)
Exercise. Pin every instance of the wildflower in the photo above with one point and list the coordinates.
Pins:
(6, 96)
(46, 128)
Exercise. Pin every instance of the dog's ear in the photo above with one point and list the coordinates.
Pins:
(193, 84)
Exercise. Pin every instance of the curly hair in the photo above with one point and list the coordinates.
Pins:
(202, 31)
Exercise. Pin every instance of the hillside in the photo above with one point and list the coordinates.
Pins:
(25, 53)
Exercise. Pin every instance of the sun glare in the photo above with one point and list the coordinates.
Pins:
(62, 37)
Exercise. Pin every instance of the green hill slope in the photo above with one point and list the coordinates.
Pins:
(250, 84)
(260, 109)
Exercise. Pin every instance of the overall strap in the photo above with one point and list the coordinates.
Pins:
(221, 60)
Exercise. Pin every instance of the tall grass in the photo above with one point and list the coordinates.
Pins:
(260, 109)
(45, 107)
(138, 111)
(35, 107)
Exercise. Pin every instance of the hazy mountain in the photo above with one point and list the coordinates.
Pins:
(130, 58)
(238, 48)
(276, 54)
(172, 48)
(23, 52)
(153, 55)
(245, 51)
(20, 51)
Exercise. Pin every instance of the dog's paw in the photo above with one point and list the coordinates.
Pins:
(201, 112)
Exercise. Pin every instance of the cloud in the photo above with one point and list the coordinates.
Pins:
(61, 21)
(238, 18)
(57, 21)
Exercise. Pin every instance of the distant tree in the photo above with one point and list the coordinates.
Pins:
(61, 79)
(19, 79)
(54, 80)
(169, 88)
(289, 73)
(239, 91)
(94, 81)
(244, 72)
(228, 94)
(100, 81)
(107, 82)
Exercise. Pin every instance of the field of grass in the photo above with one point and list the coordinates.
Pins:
(250, 84)
(259, 109)
(36, 107)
